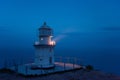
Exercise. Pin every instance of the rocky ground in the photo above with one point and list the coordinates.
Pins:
(72, 75)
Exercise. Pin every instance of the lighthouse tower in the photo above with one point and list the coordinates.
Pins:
(44, 48)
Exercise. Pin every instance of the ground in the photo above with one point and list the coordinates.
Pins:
(71, 75)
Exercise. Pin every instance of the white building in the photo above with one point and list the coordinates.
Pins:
(44, 48)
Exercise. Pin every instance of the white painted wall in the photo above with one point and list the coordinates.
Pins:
(44, 40)
(42, 56)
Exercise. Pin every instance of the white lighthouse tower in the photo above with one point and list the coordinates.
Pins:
(44, 48)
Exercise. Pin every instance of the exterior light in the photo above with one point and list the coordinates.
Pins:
(52, 43)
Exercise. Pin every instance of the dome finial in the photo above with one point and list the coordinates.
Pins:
(45, 25)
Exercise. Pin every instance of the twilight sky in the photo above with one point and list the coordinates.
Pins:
(20, 19)
(82, 26)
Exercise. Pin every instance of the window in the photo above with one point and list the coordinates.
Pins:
(41, 38)
(40, 59)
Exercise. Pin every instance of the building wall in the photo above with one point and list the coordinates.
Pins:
(43, 55)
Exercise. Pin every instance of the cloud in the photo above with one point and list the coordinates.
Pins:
(3, 29)
(112, 28)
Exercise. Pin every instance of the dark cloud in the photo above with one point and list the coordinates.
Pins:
(114, 28)
(3, 28)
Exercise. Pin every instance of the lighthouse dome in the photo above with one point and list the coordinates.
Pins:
(45, 30)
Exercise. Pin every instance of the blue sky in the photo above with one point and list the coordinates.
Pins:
(87, 26)
(21, 18)
(79, 14)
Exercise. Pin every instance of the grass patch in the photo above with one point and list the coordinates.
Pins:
(4, 70)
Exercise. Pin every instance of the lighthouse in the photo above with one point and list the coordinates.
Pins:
(44, 48)
(44, 57)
